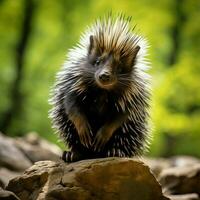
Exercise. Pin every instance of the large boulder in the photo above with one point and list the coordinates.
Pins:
(99, 179)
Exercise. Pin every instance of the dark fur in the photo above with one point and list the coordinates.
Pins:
(91, 122)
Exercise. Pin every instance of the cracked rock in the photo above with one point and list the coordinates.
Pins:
(99, 179)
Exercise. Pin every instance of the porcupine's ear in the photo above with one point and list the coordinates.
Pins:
(93, 47)
(131, 57)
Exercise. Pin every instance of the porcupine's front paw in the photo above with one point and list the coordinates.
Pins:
(85, 134)
(70, 156)
(102, 137)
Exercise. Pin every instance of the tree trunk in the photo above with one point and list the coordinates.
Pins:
(179, 18)
(15, 93)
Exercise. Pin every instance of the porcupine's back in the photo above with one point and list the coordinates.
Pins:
(111, 36)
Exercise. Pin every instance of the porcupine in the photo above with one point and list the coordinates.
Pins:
(101, 95)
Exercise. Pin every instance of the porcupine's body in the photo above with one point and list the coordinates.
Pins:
(101, 97)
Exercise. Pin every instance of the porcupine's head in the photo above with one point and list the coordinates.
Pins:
(108, 54)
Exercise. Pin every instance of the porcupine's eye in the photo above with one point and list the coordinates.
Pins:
(97, 62)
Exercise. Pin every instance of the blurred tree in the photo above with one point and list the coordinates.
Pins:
(176, 30)
(177, 116)
(15, 92)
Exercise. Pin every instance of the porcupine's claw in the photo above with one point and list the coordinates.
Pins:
(102, 137)
(70, 156)
(67, 156)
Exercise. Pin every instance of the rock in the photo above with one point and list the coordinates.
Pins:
(6, 175)
(191, 196)
(7, 195)
(36, 152)
(99, 179)
(10, 156)
(2, 184)
(17, 154)
(157, 164)
(34, 139)
(182, 161)
(181, 180)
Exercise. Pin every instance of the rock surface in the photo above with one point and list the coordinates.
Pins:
(6, 175)
(157, 165)
(7, 195)
(183, 161)
(181, 180)
(36, 152)
(11, 157)
(18, 154)
(99, 179)
(91, 179)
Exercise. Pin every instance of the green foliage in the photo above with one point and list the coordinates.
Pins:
(57, 26)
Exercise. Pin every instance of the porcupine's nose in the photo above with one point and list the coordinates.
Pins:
(105, 77)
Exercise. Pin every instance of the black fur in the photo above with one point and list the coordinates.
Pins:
(124, 105)
(99, 107)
